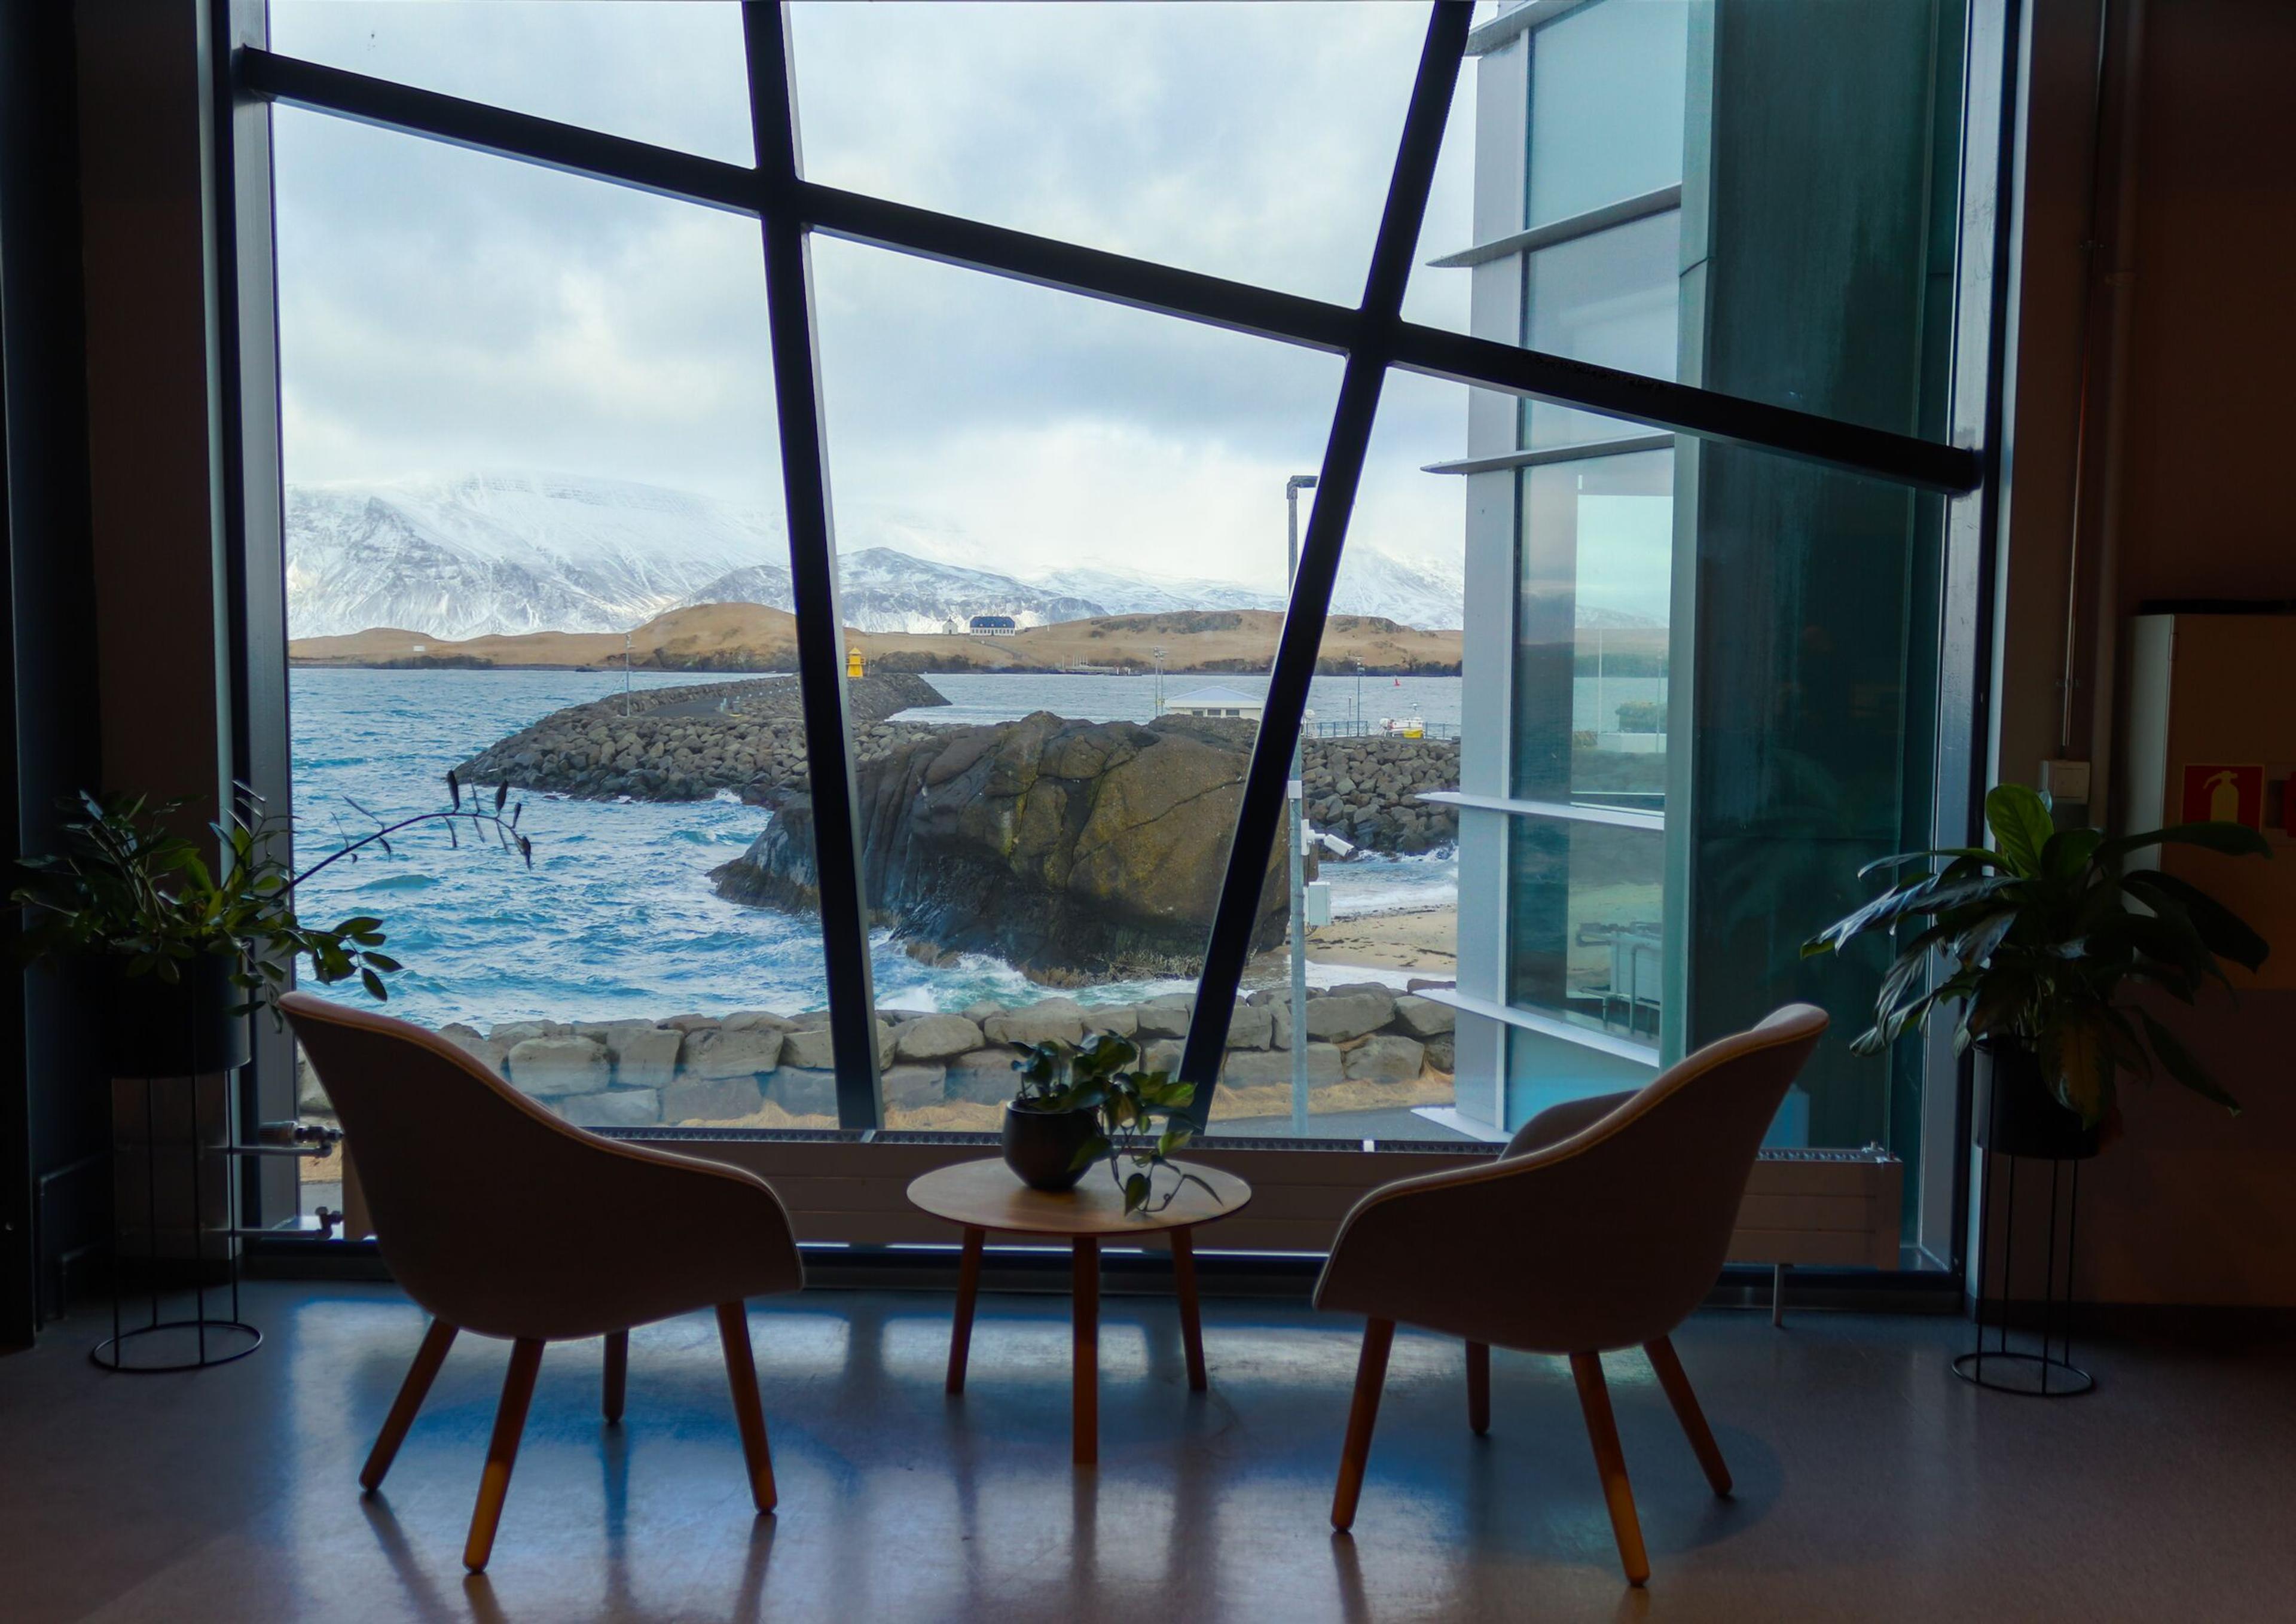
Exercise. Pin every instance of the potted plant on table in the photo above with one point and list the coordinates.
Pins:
(2037, 942)
(1079, 1105)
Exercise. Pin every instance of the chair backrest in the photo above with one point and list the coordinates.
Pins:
(1605, 1238)
(499, 1217)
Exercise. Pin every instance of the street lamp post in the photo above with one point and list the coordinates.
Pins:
(1297, 796)
(1159, 654)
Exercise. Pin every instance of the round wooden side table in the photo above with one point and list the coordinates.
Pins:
(980, 1196)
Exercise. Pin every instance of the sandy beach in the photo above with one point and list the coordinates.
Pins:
(1423, 940)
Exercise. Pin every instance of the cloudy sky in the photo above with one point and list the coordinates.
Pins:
(442, 311)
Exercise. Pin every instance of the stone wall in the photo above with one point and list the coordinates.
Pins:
(1366, 791)
(1366, 1039)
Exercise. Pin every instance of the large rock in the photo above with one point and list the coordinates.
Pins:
(713, 1056)
(489, 1053)
(803, 1093)
(1165, 1017)
(512, 1033)
(1442, 1052)
(812, 1048)
(985, 1075)
(931, 1037)
(551, 1067)
(725, 1101)
(1053, 1020)
(1249, 1066)
(1120, 1019)
(1077, 851)
(646, 1056)
(623, 1108)
(1339, 1017)
(1424, 1017)
(1387, 1058)
(907, 1087)
(1251, 1027)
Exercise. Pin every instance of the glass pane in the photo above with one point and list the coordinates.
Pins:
(1251, 142)
(531, 458)
(1810, 261)
(665, 71)
(1586, 929)
(1612, 299)
(1064, 522)
(1606, 105)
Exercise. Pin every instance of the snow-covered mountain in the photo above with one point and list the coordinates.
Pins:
(472, 554)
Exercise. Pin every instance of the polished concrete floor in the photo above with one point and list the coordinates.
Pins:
(1871, 1483)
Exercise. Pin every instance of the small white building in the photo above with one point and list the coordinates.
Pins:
(1216, 701)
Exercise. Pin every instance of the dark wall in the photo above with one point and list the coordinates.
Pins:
(51, 1103)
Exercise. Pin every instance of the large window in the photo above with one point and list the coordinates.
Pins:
(1055, 551)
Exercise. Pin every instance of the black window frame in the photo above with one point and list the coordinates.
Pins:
(1372, 337)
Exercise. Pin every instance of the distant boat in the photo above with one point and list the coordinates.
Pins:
(1404, 726)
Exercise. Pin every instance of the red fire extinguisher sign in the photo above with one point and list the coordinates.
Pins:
(2224, 793)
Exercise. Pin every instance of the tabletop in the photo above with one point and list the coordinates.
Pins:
(987, 1194)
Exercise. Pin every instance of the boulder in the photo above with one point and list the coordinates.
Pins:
(728, 1100)
(1244, 1067)
(311, 1094)
(622, 1108)
(1053, 1020)
(690, 1023)
(646, 1057)
(1165, 1017)
(932, 1037)
(803, 1093)
(755, 1019)
(1387, 1058)
(810, 1047)
(1121, 1019)
(1338, 1017)
(1161, 1054)
(551, 1067)
(980, 1011)
(985, 1075)
(1442, 1053)
(1423, 1017)
(1251, 1027)
(712, 1056)
(907, 1087)
(1076, 852)
(512, 1033)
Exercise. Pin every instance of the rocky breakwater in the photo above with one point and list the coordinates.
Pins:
(1075, 851)
(1366, 791)
(688, 744)
(1368, 1047)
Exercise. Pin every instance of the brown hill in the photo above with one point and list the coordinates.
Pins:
(751, 637)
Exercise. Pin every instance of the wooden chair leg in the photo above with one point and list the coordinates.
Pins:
(1371, 1376)
(1478, 1387)
(749, 1415)
(412, 1391)
(968, 1294)
(502, 1451)
(1192, 1314)
(1678, 1393)
(1611, 1461)
(618, 1374)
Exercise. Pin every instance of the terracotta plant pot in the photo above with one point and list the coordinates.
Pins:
(1041, 1146)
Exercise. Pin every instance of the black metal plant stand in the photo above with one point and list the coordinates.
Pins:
(162, 1345)
(2024, 1371)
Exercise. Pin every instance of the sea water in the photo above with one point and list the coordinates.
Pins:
(617, 918)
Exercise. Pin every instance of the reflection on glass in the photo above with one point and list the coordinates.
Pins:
(1606, 105)
(1612, 299)
(1586, 918)
(665, 72)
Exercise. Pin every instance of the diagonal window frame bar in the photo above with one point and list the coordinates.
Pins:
(1372, 337)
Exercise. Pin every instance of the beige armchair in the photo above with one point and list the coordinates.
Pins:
(1603, 1226)
(499, 1218)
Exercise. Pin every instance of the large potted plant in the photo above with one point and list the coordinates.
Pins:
(1079, 1106)
(186, 948)
(2036, 943)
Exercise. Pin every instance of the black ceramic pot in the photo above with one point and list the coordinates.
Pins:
(1041, 1146)
(2018, 1116)
(176, 1028)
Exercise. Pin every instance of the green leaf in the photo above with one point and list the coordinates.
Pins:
(1972, 854)
(2182, 1065)
(374, 987)
(1135, 1194)
(2021, 823)
(2223, 933)
(2079, 1069)
(2067, 851)
(2233, 839)
(1093, 1149)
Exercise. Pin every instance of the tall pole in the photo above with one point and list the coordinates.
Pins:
(1297, 794)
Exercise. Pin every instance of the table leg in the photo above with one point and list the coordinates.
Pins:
(1191, 1319)
(968, 1289)
(1085, 1377)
